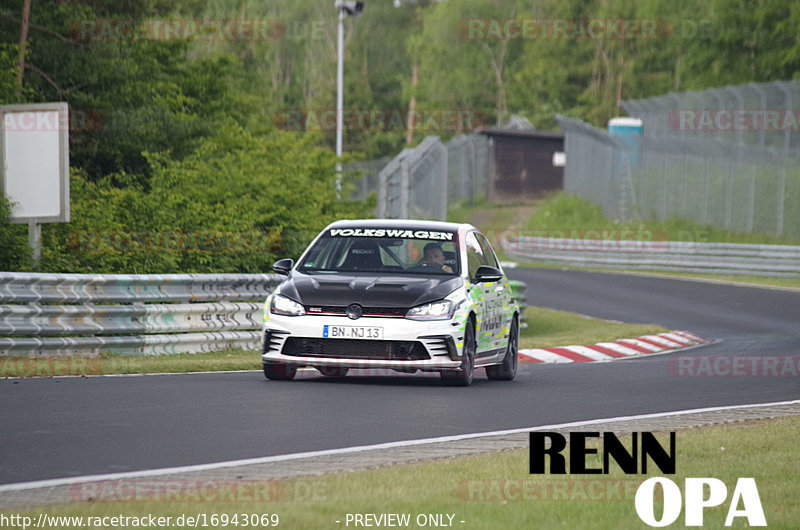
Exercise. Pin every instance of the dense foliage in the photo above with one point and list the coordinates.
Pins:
(183, 158)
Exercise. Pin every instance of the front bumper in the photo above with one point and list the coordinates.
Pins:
(407, 345)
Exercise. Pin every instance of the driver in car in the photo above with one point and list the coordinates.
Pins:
(433, 256)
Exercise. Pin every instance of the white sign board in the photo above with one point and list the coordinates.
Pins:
(35, 161)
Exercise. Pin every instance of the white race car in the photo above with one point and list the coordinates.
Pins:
(393, 294)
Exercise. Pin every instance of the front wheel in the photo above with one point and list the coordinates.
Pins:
(507, 370)
(279, 371)
(464, 376)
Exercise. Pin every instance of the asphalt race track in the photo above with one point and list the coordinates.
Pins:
(62, 427)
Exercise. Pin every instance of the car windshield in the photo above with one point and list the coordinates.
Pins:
(384, 250)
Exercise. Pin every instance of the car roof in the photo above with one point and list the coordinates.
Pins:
(414, 224)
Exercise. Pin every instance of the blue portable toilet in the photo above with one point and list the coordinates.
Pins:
(629, 130)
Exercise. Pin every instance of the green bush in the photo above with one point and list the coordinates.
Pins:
(15, 253)
(236, 203)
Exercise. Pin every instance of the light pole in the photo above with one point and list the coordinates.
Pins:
(354, 9)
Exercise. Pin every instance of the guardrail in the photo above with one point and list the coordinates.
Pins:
(518, 292)
(85, 314)
(718, 258)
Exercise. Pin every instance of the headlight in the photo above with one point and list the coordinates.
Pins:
(441, 310)
(281, 305)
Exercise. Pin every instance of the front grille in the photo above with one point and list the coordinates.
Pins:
(355, 349)
(328, 310)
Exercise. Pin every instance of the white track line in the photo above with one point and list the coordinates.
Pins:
(67, 481)
(138, 374)
(704, 280)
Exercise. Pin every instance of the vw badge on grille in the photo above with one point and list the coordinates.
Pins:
(354, 311)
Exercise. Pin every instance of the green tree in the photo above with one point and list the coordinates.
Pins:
(235, 204)
(747, 41)
(464, 62)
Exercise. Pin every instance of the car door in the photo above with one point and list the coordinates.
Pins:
(488, 295)
(501, 297)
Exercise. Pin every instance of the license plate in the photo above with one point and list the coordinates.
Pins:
(351, 332)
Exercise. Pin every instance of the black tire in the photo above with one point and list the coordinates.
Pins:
(279, 371)
(507, 370)
(465, 375)
(333, 371)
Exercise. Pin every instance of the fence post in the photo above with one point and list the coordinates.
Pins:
(404, 184)
(787, 137)
(443, 173)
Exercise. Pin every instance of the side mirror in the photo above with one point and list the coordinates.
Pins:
(283, 266)
(485, 273)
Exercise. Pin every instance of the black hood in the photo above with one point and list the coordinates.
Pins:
(368, 290)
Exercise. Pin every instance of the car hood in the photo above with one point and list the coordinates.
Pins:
(366, 289)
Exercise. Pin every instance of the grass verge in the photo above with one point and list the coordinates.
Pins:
(487, 217)
(546, 328)
(32, 366)
(759, 281)
(496, 491)
(568, 216)
(767, 281)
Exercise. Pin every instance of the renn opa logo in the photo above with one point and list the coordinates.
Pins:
(745, 501)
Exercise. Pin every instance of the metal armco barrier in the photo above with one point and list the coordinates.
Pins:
(722, 258)
(518, 289)
(104, 288)
(86, 314)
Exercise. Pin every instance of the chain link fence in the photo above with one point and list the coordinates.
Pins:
(421, 182)
(414, 183)
(467, 168)
(590, 171)
(724, 157)
(366, 179)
